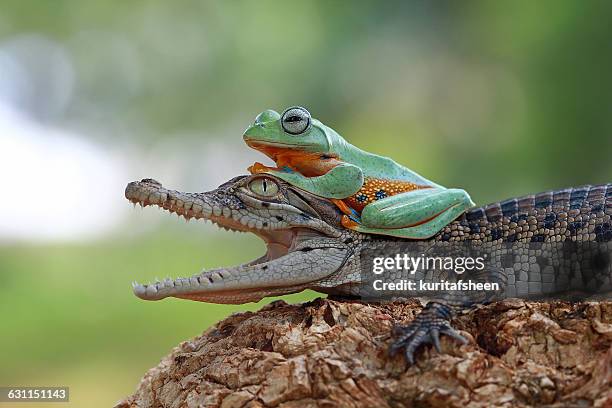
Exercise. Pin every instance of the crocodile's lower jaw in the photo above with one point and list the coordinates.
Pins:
(210, 286)
(238, 297)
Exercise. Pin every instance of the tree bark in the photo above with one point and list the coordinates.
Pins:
(330, 353)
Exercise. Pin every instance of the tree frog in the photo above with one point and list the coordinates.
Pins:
(376, 194)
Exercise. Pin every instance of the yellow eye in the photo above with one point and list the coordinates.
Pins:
(264, 187)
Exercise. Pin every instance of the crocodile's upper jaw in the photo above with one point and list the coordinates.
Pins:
(253, 280)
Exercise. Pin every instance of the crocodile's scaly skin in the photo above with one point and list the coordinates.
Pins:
(576, 214)
(541, 244)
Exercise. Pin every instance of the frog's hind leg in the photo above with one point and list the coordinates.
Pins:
(417, 214)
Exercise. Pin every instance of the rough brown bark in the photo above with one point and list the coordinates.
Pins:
(333, 354)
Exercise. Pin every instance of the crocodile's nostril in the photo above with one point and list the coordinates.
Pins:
(151, 181)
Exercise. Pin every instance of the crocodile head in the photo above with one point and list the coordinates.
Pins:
(305, 240)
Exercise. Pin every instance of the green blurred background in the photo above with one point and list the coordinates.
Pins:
(499, 98)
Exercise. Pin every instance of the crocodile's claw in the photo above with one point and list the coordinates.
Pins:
(426, 328)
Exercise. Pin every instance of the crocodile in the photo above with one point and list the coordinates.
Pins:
(308, 248)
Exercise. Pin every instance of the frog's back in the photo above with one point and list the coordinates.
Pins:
(378, 167)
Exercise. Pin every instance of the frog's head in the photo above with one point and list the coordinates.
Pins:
(294, 130)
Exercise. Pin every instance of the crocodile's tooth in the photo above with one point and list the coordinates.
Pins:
(139, 290)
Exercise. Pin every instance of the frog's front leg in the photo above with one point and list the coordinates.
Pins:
(340, 182)
(417, 214)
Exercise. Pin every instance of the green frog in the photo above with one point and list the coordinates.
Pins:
(376, 194)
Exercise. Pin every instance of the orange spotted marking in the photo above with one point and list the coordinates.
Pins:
(374, 189)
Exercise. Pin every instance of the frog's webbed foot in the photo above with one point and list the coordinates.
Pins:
(352, 222)
(426, 328)
(351, 218)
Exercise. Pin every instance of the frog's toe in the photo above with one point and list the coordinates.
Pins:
(350, 222)
(257, 168)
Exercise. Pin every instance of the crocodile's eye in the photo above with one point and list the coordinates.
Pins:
(295, 120)
(264, 187)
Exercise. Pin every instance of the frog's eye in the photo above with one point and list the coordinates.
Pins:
(263, 187)
(295, 120)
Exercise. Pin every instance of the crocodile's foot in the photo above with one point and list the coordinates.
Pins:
(426, 328)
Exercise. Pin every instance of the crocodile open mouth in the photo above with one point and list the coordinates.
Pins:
(223, 285)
